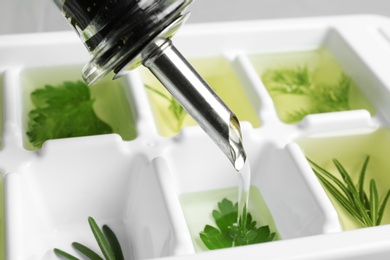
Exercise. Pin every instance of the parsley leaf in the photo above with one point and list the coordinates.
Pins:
(63, 111)
(229, 233)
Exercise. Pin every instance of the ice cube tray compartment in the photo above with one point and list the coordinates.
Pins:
(116, 185)
(113, 102)
(351, 149)
(134, 183)
(289, 200)
(218, 72)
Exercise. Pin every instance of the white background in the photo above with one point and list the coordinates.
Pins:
(20, 16)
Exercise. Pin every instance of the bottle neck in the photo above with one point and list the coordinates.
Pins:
(122, 49)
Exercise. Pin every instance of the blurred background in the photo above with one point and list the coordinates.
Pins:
(24, 16)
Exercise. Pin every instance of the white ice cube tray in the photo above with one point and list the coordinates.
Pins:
(134, 185)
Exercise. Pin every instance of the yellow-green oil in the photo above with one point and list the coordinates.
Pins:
(113, 104)
(351, 150)
(112, 100)
(2, 222)
(217, 72)
(323, 69)
(198, 207)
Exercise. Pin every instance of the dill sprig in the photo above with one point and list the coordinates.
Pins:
(366, 208)
(333, 97)
(299, 81)
(296, 80)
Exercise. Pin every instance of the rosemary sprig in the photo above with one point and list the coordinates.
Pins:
(178, 112)
(367, 209)
(106, 239)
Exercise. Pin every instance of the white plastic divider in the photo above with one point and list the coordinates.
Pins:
(362, 244)
(330, 217)
(49, 199)
(150, 220)
(256, 35)
(12, 104)
(182, 239)
(12, 136)
(255, 89)
(333, 121)
(146, 124)
(13, 212)
(297, 210)
(366, 61)
(48, 49)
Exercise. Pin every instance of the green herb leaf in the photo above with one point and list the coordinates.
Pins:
(101, 240)
(64, 254)
(114, 242)
(178, 112)
(333, 97)
(229, 233)
(288, 80)
(107, 241)
(299, 81)
(213, 238)
(374, 207)
(61, 112)
(362, 175)
(382, 208)
(226, 215)
(86, 251)
(363, 212)
(366, 209)
(338, 196)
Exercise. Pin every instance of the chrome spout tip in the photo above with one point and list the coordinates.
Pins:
(237, 151)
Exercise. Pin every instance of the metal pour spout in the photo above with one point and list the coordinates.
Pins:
(196, 96)
(121, 35)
